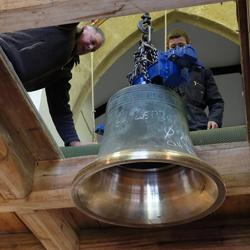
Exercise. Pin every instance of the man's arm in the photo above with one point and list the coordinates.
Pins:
(58, 101)
(214, 101)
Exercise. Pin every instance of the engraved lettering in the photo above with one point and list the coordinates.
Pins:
(168, 132)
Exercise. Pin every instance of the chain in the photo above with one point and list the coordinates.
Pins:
(146, 53)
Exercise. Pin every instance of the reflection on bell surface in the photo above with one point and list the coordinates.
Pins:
(147, 173)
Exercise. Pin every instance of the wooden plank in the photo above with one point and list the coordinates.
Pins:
(52, 179)
(83, 221)
(206, 234)
(16, 170)
(52, 185)
(231, 160)
(23, 140)
(233, 234)
(10, 223)
(23, 137)
(243, 21)
(19, 241)
(3, 148)
(248, 22)
(237, 206)
(40, 13)
(51, 228)
(20, 120)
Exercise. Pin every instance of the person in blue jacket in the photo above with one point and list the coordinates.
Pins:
(200, 93)
(44, 58)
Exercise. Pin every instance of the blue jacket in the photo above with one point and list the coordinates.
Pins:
(44, 58)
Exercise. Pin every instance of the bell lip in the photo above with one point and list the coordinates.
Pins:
(161, 156)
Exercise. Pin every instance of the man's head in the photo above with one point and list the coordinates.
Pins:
(177, 38)
(90, 39)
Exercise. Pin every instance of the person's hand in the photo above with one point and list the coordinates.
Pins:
(212, 125)
(75, 144)
(79, 144)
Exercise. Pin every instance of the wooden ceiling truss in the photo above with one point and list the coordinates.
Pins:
(35, 180)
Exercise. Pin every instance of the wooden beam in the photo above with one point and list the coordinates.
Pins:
(16, 170)
(52, 179)
(23, 136)
(52, 185)
(22, 124)
(10, 223)
(206, 234)
(24, 139)
(40, 13)
(223, 70)
(231, 160)
(20, 241)
(51, 228)
(243, 21)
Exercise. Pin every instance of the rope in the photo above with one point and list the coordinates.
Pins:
(165, 31)
(86, 122)
(94, 137)
(96, 22)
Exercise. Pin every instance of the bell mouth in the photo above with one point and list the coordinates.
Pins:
(147, 166)
(148, 189)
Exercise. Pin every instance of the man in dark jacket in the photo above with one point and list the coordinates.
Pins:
(200, 92)
(44, 58)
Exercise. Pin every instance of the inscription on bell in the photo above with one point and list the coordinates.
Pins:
(122, 116)
(150, 114)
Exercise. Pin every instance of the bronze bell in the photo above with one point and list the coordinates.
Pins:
(147, 173)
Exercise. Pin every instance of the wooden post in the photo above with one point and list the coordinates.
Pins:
(16, 171)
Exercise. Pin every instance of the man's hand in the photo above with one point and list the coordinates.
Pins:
(79, 144)
(75, 144)
(212, 125)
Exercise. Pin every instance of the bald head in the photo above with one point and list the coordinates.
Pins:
(91, 39)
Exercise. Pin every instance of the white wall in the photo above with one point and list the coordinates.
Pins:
(84, 124)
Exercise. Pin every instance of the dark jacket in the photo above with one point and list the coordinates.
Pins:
(200, 93)
(43, 58)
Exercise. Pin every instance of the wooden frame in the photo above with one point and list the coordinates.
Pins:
(34, 179)
(40, 13)
(244, 20)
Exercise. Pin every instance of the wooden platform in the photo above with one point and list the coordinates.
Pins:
(36, 210)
